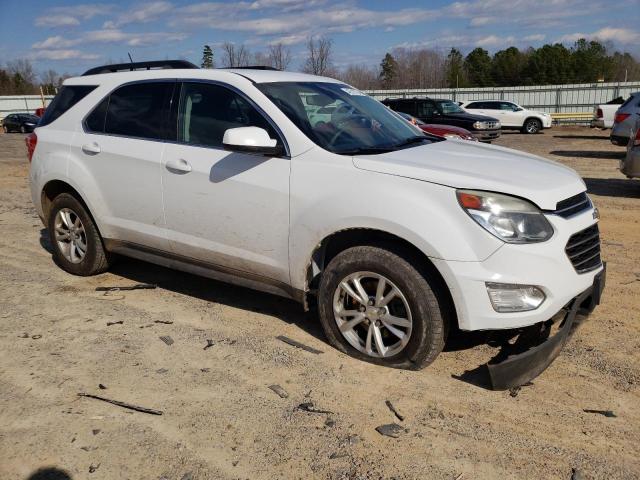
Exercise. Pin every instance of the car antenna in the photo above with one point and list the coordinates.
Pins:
(130, 59)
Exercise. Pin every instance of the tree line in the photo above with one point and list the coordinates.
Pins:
(584, 62)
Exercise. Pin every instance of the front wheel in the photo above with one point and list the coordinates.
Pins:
(532, 125)
(6, 130)
(77, 245)
(23, 129)
(375, 306)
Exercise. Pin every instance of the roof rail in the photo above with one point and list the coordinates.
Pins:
(252, 67)
(130, 67)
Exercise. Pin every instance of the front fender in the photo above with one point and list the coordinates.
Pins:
(329, 195)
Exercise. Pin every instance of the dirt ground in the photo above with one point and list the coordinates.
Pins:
(221, 421)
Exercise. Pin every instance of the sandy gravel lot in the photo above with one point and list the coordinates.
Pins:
(221, 421)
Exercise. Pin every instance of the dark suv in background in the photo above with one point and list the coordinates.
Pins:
(447, 112)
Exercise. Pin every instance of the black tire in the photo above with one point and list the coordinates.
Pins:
(22, 129)
(531, 126)
(96, 259)
(428, 331)
(6, 130)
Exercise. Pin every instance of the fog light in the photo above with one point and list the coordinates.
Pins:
(508, 297)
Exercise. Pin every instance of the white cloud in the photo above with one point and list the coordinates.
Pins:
(71, 16)
(620, 35)
(51, 54)
(144, 13)
(538, 37)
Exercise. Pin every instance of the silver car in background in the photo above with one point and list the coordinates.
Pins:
(624, 120)
(630, 164)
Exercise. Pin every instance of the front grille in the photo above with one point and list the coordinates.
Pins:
(583, 249)
(572, 205)
(491, 125)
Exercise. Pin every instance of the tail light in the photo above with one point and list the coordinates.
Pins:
(599, 113)
(621, 117)
(31, 141)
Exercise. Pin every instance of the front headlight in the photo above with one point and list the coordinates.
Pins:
(480, 125)
(511, 219)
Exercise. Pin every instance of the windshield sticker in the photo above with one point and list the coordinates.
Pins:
(353, 92)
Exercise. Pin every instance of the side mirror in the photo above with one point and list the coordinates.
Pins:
(518, 109)
(251, 140)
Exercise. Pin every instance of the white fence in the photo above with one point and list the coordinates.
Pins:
(572, 98)
(21, 104)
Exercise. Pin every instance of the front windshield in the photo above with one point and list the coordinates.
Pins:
(447, 106)
(342, 119)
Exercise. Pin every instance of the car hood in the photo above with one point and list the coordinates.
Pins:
(461, 164)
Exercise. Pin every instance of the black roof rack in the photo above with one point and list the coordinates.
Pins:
(252, 67)
(130, 67)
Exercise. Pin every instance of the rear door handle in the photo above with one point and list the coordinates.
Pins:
(178, 166)
(91, 148)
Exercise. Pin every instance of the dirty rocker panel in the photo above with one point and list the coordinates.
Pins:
(204, 269)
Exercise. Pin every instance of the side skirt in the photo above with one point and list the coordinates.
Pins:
(205, 269)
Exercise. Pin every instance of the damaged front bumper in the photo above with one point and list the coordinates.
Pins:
(535, 349)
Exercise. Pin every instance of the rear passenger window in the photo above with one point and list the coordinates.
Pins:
(139, 110)
(66, 98)
(208, 110)
(426, 109)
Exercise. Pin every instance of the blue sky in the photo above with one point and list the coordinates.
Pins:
(70, 36)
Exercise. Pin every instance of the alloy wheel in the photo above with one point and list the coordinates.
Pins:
(70, 235)
(532, 127)
(372, 314)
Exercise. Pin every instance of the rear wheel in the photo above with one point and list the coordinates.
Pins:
(77, 245)
(375, 306)
(6, 130)
(22, 129)
(532, 125)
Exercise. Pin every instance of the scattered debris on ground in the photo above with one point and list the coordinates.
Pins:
(297, 344)
(167, 339)
(310, 408)
(606, 413)
(394, 410)
(139, 286)
(164, 322)
(117, 322)
(282, 393)
(130, 406)
(392, 430)
(210, 343)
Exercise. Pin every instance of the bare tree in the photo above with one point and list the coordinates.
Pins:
(22, 67)
(360, 76)
(279, 56)
(235, 56)
(319, 56)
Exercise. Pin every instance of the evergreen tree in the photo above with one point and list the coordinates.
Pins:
(508, 66)
(207, 57)
(456, 77)
(388, 70)
(478, 68)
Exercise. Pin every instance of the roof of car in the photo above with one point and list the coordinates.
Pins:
(256, 76)
(486, 100)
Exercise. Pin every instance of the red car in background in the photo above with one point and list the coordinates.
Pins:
(446, 131)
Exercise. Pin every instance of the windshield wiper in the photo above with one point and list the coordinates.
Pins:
(366, 150)
(411, 141)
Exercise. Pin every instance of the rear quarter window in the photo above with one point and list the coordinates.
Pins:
(66, 98)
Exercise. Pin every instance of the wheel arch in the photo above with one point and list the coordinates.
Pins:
(341, 240)
(53, 188)
(533, 117)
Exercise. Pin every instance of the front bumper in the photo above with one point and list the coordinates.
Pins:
(545, 265)
(524, 360)
(546, 122)
(486, 135)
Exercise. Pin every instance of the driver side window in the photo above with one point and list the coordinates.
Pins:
(208, 110)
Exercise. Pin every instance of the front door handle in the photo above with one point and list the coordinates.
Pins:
(91, 148)
(178, 166)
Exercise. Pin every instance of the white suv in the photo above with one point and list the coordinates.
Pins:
(511, 115)
(397, 235)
